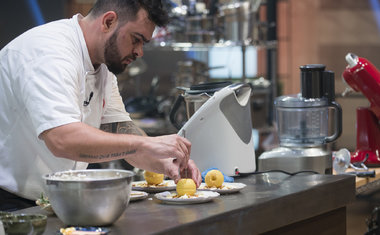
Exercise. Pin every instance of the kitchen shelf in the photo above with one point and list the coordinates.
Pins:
(189, 46)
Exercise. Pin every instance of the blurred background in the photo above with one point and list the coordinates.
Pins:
(296, 33)
(196, 47)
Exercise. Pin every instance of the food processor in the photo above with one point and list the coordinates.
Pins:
(303, 125)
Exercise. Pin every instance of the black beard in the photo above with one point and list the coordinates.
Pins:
(112, 56)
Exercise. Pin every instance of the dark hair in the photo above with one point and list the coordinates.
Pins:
(126, 10)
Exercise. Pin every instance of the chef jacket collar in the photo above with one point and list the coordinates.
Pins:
(88, 67)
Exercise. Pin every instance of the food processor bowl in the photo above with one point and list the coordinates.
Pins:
(301, 121)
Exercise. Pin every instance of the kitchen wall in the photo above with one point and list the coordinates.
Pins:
(323, 32)
(78, 6)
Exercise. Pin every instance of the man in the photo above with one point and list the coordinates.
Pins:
(57, 90)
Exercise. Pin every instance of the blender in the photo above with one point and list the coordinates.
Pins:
(219, 126)
(193, 98)
(303, 125)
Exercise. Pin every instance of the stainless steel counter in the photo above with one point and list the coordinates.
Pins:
(271, 203)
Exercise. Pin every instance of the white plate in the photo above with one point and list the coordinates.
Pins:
(138, 195)
(166, 185)
(226, 188)
(202, 196)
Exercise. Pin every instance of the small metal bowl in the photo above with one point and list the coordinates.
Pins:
(18, 224)
(89, 197)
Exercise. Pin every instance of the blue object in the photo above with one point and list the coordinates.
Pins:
(376, 11)
(93, 230)
(36, 12)
(227, 178)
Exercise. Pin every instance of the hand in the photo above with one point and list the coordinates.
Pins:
(192, 171)
(172, 146)
(162, 154)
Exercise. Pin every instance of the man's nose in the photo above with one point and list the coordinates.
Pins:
(138, 51)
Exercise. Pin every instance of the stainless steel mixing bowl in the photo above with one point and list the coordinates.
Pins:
(89, 197)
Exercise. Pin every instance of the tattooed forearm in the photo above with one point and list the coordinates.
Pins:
(106, 127)
(122, 128)
(107, 156)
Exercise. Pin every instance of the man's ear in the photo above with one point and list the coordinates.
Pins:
(109, 21)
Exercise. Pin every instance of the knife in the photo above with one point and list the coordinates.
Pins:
(184, 136)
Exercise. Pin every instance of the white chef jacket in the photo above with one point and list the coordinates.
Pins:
(46, 75)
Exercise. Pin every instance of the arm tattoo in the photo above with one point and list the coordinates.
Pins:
(107, 156)
(121, 128)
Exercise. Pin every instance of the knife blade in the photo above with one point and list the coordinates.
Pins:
(184, 136)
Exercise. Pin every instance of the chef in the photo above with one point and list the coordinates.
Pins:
(59, 100)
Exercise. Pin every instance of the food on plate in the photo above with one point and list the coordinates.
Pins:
(144, 184)
(186, 187)
(166, 185)
(185, 196)
(225, 188)
(222, 187)
(44, 203)
(153, 178)
(137, 193)
(214, 178)
(83, 231)
(67, 231)
(174, 198)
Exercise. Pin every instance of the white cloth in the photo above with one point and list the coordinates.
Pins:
(46, 75)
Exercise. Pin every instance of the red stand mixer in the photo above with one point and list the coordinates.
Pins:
(362, 76)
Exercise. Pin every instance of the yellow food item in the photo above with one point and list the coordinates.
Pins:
(214, 178)
(67, 231)
(153, 178)
(186, 186)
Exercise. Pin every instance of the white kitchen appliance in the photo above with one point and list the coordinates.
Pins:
(220, 132)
